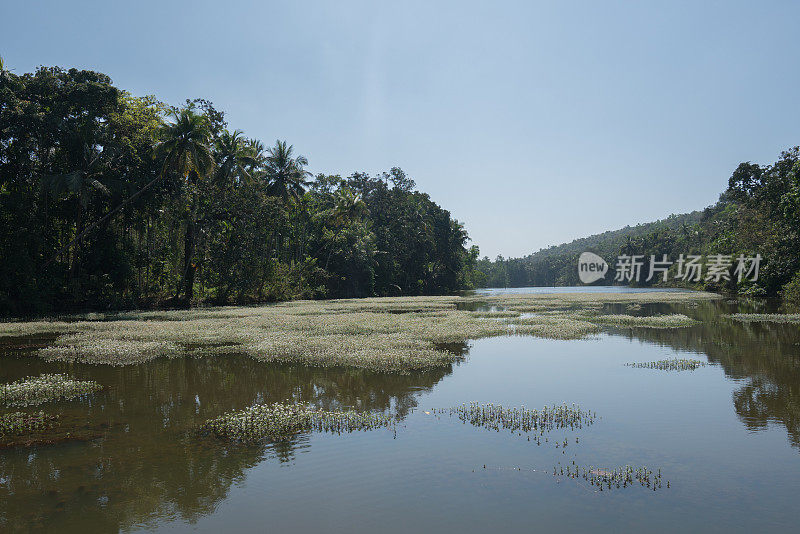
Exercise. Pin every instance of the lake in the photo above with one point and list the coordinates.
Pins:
(726, 436)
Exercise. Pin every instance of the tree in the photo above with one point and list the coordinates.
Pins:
(82, 184)
(187, 154)
(234, 157)
(284, 174)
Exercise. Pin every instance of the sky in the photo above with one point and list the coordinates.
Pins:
(533, 123)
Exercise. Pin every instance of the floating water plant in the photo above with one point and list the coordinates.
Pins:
(793, 318)
(19, 423)
(33, 391)
(676, 320)
(281, 421)
(675, 364)
(554, 326)
(394, 335)
(616, 478)
(522, 420)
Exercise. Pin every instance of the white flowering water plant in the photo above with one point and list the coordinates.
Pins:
(33, 391)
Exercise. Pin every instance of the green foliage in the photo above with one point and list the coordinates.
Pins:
(759, 213)
(791, 291)
(113, 201)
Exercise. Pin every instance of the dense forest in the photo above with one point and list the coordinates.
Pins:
(759, 213)
(108, 200)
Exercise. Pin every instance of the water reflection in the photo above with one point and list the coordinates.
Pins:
(150, 465)
(764, 357)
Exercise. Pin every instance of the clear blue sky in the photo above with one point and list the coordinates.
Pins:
(534, 124)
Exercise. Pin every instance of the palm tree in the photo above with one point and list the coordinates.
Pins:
(285, 175)
(186, 151)
(348, 206)
(235, 158)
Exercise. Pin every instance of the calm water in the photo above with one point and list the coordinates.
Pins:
(727, 436)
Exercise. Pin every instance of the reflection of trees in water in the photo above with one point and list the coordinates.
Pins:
(151, 465)
(765, 355)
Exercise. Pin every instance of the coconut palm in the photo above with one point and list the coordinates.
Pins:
(235, 159)
(285, 175)
(187, 154)
(348, 206)
(185, 146)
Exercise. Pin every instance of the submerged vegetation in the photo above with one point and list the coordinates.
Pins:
(674, 364)
(33, 391)
(616, 478)
(522, 420)
(282, 421)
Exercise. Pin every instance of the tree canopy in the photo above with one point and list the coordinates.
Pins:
(109, 200)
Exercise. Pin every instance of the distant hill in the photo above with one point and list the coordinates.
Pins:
(556, 265)
(758, 214)
(612, 240)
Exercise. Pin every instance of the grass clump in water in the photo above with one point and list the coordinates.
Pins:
(557, 326)
(676, 320)
(674, 364)
(33, 391)
(20, 424)
(522, 420)
(380, 334)
(793, 318)
(616, 478)
(282, 421)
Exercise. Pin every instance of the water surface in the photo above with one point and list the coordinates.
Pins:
(726, 436)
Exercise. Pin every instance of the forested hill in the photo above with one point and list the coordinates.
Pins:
(612, 240)
(759, 213)
(109, 200)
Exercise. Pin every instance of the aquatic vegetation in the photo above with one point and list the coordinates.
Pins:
(33, 391)
(522, 420)
(19, 423)
(793, 318)
(495, 314)
(281, 421)
(554, 326)
(400, 334)
(675, 364)
(616, 478)
(675, 320)
(565, 301)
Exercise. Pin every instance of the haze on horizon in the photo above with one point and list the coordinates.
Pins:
(533, 124)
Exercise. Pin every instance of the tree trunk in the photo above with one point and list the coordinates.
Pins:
(188, 255)
(78, 230)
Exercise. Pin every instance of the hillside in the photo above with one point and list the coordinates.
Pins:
(759, 213)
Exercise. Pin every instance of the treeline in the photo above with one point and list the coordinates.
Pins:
(759, 213)
(110, 201)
